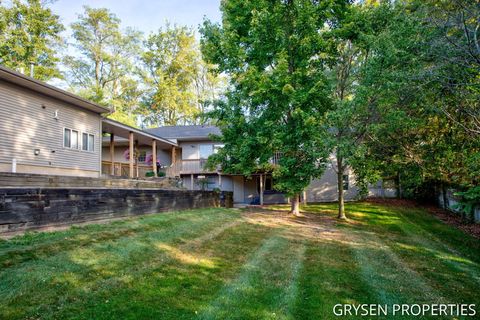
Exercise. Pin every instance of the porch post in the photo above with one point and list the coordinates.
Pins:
(174, 154)
(154, 157)
(220, 181)
(130, 161)
(112, 154)
(191, 182)
(261, 190)
(136, 158)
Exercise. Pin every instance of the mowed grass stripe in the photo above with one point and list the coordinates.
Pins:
(267, 285)
(439, 254)
(177, 288)
(33, 246)
(330, 276)
(445, 269)
(101, 263)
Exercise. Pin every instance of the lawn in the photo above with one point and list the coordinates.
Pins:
(228, 263)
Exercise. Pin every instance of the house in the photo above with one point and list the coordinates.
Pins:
(46, 130)
(189, 159)
(194, 145)
(186, 160)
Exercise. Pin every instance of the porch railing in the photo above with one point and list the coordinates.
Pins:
(189, 167)
(122, 169)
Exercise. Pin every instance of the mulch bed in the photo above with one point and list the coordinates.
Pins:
(446, 216)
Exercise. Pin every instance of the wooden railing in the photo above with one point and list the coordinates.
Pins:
(123, 169)
(189, 167)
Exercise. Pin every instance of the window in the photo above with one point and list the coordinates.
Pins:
(206, 150)
(345, 182)
(142, 155)
(66, 138)
(88, 142)
(74, 140)
(70, 138)
(91, 142)
(85, 141)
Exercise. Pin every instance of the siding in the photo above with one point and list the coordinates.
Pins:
(325, 189)
(191, 150)
(26, 126)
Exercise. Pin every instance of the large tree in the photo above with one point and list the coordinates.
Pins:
(103, 68)
(275, 53)
(180, 84)
(30, 36)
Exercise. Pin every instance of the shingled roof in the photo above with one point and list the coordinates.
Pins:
(185, 132)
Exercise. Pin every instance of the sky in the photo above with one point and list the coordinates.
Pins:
(144, 15)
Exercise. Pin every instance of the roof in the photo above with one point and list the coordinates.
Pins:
(46, 89)
(122, 130)
(194, 132)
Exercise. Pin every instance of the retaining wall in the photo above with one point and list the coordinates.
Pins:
(50, 181)
(32, 208)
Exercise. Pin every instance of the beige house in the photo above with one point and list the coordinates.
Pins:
(194, 145)
(46, 130)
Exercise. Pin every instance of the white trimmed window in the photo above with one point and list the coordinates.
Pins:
(67, 137)
(88, 142)
(71, 139)
(74, 140)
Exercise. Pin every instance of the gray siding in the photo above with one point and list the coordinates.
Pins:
(325, 189)
(191, 149)
(26, 126)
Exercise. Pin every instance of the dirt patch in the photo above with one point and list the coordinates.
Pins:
(446, 216)
(312, 226)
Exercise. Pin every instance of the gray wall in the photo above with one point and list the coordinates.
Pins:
(325, 189)
(25, 126)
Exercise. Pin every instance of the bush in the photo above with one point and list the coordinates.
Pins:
(149, 174)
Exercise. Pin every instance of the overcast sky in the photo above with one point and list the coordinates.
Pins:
(144, 15)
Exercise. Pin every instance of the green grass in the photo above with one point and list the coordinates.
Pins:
(229, 264)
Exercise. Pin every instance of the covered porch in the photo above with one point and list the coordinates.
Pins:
(121, 135)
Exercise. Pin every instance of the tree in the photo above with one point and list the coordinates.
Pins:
(181, 85)
(103, 70)
(30, 36)
(275, 55)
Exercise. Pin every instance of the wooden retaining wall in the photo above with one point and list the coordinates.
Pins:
(50, 181)
(32, 208)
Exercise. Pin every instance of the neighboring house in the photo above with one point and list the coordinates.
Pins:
(46, 130)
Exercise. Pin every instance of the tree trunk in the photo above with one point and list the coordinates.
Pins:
(444, 197)
(341, 204)
(296, 205)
